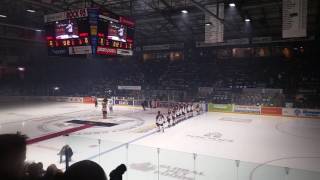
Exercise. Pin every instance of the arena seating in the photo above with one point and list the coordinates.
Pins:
(85, 78)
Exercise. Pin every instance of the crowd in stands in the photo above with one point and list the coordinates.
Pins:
(14, 167)
(93, 78)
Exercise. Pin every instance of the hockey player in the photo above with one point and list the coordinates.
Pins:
(144, 104)
(198, 109)
(179, 113)
(160, 121)
(188, 110)
(169, 118)
(185, 109)
(173, 116)
(95, 102)
(183, 113)
(110, 104)
(191, 109)
(104, 110)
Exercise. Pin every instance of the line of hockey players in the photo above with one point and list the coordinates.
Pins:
(176, 114)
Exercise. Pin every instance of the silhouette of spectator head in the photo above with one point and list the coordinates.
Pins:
(12, 155)
(35, 170)
(84, 170)
(52, 171)
(117, 173)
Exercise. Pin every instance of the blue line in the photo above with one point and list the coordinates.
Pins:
(121, 145)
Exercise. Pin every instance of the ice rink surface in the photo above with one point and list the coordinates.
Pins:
(193, 149)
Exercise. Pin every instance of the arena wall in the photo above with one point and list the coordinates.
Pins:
(262, 110)
(210, 107)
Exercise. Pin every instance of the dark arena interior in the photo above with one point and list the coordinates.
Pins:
(159, 90)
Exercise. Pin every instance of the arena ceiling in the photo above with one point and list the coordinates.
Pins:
(161, 21)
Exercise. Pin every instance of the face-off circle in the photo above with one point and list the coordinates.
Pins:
(114, 123)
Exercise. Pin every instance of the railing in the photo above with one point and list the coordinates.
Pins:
(151, 163)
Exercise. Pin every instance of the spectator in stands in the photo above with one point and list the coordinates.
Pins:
(12, 156)
(85, 170)
(35, 171)
(53, 173)
(117, 173)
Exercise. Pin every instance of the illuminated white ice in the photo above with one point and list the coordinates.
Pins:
(217, 139)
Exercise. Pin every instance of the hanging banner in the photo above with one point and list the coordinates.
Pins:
(77, 13)
(135, 88)
(215, 31)
(294, 18)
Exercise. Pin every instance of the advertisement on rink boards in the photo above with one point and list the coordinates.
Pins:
(271, 111)
(41, 98)
(69, 99)
(88, 100)
(296, 112)
(247, 109)
(220, 107)
(123, 102)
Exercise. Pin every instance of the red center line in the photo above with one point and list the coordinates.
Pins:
(56, 134)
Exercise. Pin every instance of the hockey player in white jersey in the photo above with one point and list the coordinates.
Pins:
(160, 121)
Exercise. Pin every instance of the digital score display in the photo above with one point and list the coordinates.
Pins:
(89, 31)
(115, 36)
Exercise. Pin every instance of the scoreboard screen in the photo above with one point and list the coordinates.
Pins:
(89, 31)
(67, 37)
(117, 32)
(115, 36)
(67, 29)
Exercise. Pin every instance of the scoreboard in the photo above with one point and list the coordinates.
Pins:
(89, 31)
(115, 35)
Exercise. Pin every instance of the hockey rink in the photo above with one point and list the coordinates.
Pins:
(209, 146)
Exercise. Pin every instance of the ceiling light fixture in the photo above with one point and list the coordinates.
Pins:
(31, 10)
(184, 11)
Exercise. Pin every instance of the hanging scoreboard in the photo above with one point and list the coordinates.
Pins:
(89, 31)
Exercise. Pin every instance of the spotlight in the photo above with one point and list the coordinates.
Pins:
(56, 88)
(247, 20)
(31, 10)
(39, 30)
(21, 68)
(232, 5)
(184, 11)
(208, 24)
(2, 16)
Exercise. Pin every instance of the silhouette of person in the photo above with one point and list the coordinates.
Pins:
(12, 156)
(117, 173)
(67, 152)
(85, 170)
